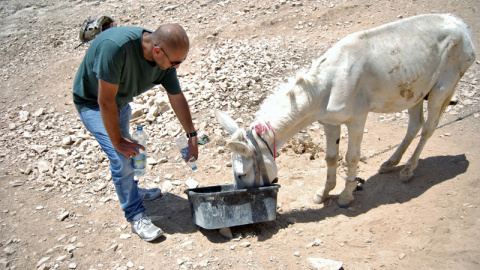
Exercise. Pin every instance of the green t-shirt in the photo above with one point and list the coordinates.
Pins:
(116, 56)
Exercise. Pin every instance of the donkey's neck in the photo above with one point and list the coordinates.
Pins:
(284, 128)
(290, 112)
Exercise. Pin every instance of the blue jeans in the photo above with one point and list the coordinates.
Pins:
(121, 167)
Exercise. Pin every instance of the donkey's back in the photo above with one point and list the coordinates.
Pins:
(392, 67)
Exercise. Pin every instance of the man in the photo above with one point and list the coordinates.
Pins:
(123, 62)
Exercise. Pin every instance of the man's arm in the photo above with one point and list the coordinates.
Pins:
(109, 112)
(181, 109)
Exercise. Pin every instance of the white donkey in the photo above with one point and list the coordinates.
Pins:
(385, 69)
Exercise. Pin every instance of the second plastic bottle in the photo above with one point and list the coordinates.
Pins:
(139, 162)
(182, 145)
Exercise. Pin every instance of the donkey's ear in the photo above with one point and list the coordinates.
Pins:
(240, 148)
(238, 144)
(226, 122)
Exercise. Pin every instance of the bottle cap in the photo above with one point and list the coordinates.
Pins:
(139, 127)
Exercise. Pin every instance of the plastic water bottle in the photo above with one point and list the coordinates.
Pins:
(139, 162)
(182, 145)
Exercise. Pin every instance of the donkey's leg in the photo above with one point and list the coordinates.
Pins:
(355, 135)
(415, 122)
(438, 100)
(332, 134)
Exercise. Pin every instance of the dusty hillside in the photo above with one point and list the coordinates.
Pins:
(58, 207)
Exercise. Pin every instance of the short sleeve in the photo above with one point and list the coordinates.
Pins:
(170, 82)
(109, 62)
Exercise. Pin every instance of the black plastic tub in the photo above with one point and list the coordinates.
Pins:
(218, 207)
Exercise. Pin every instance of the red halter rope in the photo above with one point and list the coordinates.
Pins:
(259, 128)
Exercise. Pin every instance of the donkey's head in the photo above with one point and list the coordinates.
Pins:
(253, 161)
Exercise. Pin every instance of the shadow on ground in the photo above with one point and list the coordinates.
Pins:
(380, 189)
(171, 213)
(174, 215)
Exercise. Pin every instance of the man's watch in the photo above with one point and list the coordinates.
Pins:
(193, 134)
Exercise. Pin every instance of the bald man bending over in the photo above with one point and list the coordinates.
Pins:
(121, 63)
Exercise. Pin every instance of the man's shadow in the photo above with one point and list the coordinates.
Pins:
(171, 213)
(380, 189)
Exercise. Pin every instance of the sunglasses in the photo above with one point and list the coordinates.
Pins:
(171, 63)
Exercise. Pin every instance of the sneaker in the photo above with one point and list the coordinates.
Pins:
(149, 194)
(143, 226)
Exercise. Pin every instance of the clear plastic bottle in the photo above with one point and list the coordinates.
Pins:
(182, 145)
(139, 162)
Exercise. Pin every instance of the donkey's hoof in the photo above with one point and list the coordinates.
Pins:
(406, 175)
(406, 179)
(343, 203)
(320, 196)
(386, 168)
(320, 199)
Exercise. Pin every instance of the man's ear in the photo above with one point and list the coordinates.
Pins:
(156, 50)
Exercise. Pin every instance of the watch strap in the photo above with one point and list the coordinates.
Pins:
(193, 134)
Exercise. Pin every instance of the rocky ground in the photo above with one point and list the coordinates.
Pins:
(58, 206)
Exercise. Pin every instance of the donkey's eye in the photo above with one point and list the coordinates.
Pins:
(240, 175)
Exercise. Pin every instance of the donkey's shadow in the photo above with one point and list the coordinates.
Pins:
(174, 214)
(380, 189)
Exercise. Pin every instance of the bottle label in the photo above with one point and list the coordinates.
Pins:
(139, 162)
(184, 152)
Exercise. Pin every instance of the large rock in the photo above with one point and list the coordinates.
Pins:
(324, 264)
(44, 166)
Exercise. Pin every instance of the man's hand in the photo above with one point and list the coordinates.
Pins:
(128, 148)
(192, 148)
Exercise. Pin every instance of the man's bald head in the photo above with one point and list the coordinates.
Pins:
(171, 37)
